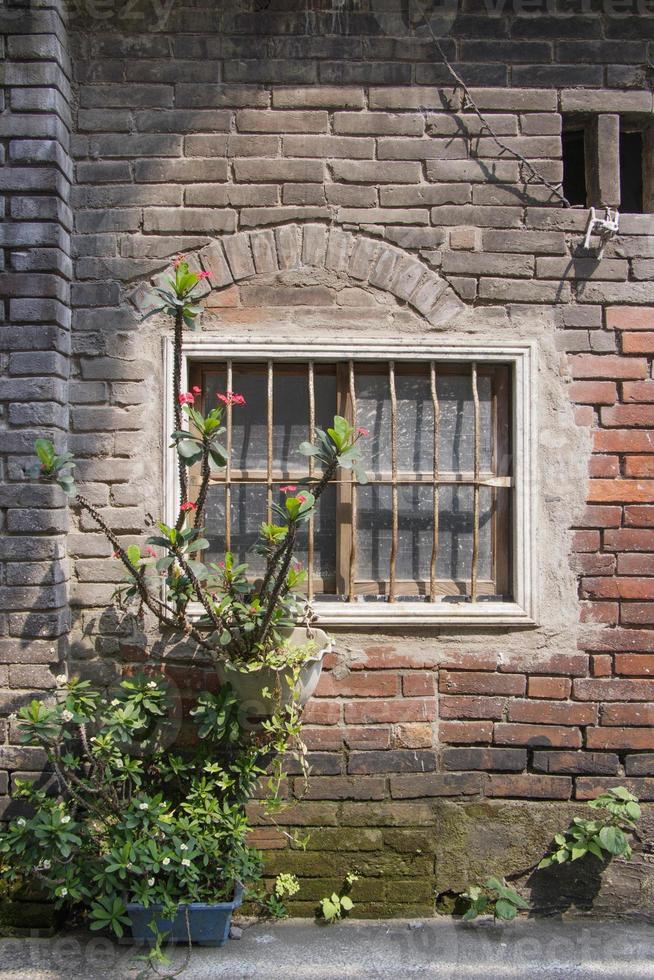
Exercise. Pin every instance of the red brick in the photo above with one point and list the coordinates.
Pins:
(557, 663)
(600, 763)
(625, 491)
(628, 539)
(367, 684)
(588, 787)
(628, 714)
(326, 737)
(552, 712)
(628, 416)
(639, 516)
(465, 732)
(637, 613)
(601, 665)
(623, 441)
(267, 839)
(638, 391)
(418, 684)
(507, 760)
(601, 516)
(470, 707)
(594, 392)
(413, 735)
(549, 687)
(415, 786)
(639, 466)
(469, 660)
(482, 683)
(618, 588)
(599, 466)
(593, 564)
(367, 737)
(555, 736)
(617, 640)
(398, 658)
(343, 788)
(607, 366)
(591, 689)
(322, 712)
(529, 786)
(392, 760)
(594, 611)
(371, 711)
(638, 343)
(639, 765)
(630, 317)
(635, 664)
(585, 541)
(584, 415)
(639, 564)
(620, 738)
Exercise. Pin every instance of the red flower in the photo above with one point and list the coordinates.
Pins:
(203, 275)
(115, 555)
(290, 488)
(362, 432)
(178, 261)
(189, 505)
(150, 551)
(196, 390)
(301, 498)
(186, 398)
(231, 398)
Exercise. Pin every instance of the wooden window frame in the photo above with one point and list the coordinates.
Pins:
(519, 379)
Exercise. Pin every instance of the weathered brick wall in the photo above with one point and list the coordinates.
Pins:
(35, 273)
(224, 123)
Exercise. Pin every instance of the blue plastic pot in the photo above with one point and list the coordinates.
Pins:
(208, 924)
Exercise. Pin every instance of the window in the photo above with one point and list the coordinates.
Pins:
(574, 166)
(631, 171)
(438, 532)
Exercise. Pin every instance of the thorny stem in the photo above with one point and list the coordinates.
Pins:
(164, 614)
(177, 408)
(192, 577)
(204, 486)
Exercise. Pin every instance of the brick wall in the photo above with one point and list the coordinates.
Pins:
(35, 274)
(205, 127)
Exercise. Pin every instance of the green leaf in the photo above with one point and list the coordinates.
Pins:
(613, 840)
(308, 449)
(633, 810)
(347, 903)
(45, 450)
(577, 851)
(505, 910)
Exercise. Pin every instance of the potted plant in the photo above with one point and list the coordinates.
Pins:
(130, 831)
(250, 629)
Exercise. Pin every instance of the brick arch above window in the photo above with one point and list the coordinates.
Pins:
(294, 247)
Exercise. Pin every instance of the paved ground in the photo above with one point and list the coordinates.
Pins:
(300, 950)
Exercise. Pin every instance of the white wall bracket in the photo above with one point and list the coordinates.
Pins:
(605, 228)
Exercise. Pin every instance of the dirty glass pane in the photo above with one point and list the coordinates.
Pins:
(415, 418)
(248, 510)
(415, 532)
(290, 413)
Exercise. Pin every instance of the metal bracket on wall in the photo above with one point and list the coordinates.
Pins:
(605, 228)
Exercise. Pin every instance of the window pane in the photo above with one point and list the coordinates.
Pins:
(248, 510)
(415, 421)
(416, 531)
(290, 413)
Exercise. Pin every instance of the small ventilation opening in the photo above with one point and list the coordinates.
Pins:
(574, 166)
(631, 172)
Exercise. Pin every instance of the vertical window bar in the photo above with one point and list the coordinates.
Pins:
(394, 501)
(269, 442)
(228, 468)
(475, 516)
(353, 492)
(312, 436)
(434, 545)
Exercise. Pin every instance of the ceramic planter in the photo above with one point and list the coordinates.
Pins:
(208, 924)
(248, 686)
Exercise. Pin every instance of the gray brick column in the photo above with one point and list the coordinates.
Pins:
(35, 270)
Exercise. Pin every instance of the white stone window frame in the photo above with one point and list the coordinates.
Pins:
(521, 356)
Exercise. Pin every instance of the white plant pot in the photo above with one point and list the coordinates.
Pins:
(248, 685)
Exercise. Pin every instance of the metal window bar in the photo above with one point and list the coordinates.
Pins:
(312, 436)
(353, 493)
(476, 489)
(394, 495)
(435, 502)
(269, 443)
(228, 468)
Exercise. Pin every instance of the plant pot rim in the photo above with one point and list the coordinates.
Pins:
(328, 646)
(155, 907)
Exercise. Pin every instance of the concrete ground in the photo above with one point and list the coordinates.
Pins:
(300, 950)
